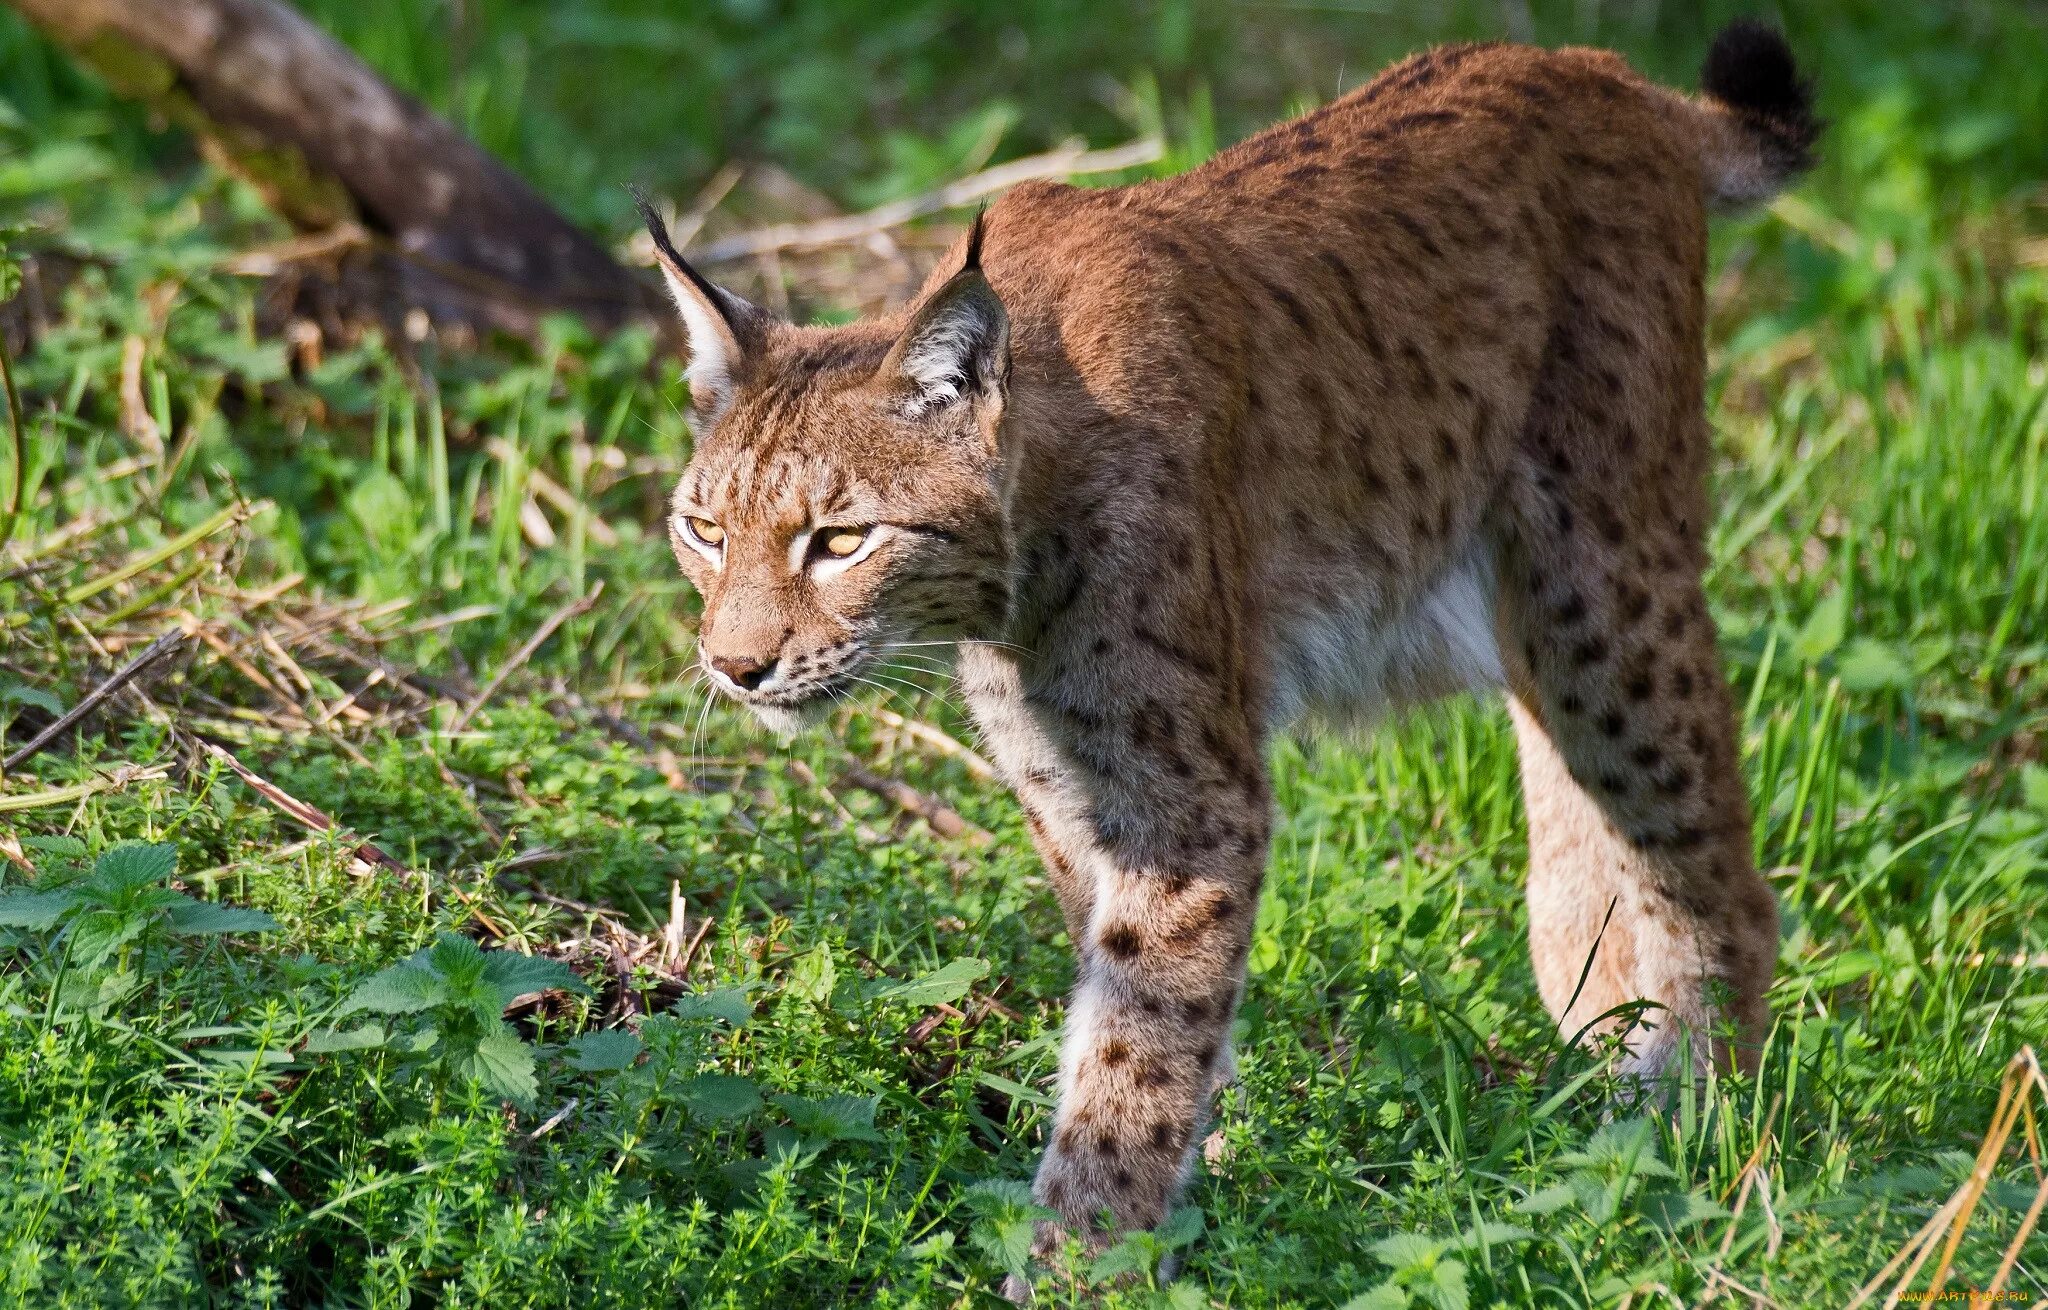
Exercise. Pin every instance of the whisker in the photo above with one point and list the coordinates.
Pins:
(923, 666)
(888, 693)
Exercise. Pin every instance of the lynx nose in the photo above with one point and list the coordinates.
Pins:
(744, 670)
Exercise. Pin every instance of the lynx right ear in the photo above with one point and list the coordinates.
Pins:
(724, 329)
(957, 345)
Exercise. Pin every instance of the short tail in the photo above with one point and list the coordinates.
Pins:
(1760, 128)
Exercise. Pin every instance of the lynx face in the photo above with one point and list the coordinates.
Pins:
(845, 495)
(812, 567)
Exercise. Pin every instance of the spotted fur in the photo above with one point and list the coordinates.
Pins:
(1398, 398)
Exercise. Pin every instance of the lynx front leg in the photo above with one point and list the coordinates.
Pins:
(1148, 1039)
(1153, 818)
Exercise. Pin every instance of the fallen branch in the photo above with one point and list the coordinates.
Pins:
(92, 700)
(338, 151)
(938, 739)
(365, 854)
(114, 781)
(1070, 160)
(943, 818)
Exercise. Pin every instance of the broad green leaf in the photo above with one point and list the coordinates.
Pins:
(1450, 1292)
(133, 864)
(1824, 628)
(20, 693)
(1407, 1250)
(1129, 1256)
(1489, 1232)
(2034, 786)
(727, 1003)
(1845, 968)
(244, 1058)
(1548, 1201)
(993, 1194)
(813, 976)
(513, 975)
(325, 1041)
(1387, 1296)
(1182, 1228)
(1007, 1242)
(35, 909)
(96, 934)
(458, 960)
(503, 1064)
(949, 983)
(403, 988)
(1674, 1210)
(1867, 665)
(601, 1052)
(717, 1096)
(194, 916)
(840, 1118)
(1626, 1145)
(62, 848)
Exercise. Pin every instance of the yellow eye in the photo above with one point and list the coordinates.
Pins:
(841, 542)
(706, 531)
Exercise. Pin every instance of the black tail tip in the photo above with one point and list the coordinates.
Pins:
(1750, 69)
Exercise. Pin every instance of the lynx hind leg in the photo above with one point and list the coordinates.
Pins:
(1641, 883)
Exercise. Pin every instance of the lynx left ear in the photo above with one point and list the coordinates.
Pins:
(958, 343)
(725, 329)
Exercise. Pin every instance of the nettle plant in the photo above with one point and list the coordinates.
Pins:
(451, 999)
(95, 930)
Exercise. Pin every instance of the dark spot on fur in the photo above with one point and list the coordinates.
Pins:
(1122, 941)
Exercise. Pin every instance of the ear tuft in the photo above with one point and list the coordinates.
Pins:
(973, 261)
(724, 329)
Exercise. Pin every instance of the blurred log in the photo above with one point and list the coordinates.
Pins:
(280, 103)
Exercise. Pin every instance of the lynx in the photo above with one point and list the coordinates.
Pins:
(1397, 399)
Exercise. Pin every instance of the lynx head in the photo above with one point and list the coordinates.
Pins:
(843, 496)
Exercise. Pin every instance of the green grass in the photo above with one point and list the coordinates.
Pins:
(243, 1116)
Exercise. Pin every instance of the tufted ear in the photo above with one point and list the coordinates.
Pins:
(724, 329)
(957, 345)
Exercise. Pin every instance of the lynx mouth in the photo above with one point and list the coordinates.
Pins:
(789, 710)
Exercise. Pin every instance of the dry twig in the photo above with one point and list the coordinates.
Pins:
(2023, 1082)
(93, 699)
(1071, 160)
(525, 653)
(363, 855)
(943, 818)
